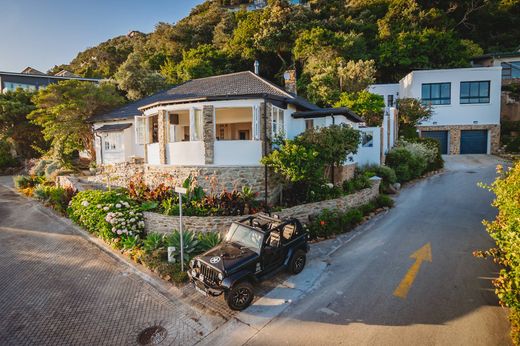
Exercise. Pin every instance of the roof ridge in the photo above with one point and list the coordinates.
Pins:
(272, 84)
(217, 76)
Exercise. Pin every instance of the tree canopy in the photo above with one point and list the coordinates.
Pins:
(63, 109)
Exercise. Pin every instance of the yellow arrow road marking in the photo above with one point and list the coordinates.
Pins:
(421, 255)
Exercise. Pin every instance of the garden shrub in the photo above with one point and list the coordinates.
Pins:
(208, 240)
(433, 154)
(110, 214)
(190, 244)
(332, 222)
(407, 165)
(6, 158)
(56, 197)
(152, 242)
(359, 182)
(386, 173)
(383, 201)
(505, 231)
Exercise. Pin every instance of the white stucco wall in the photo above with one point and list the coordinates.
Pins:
(185, 153)
(370, 155)
(242, 153)
(456, 113)
(128, 146)
(385, 90)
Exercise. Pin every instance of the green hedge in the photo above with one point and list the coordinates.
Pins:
(331, 222)
(505, 230)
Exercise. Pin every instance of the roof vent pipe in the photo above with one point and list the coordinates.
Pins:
(257, 67)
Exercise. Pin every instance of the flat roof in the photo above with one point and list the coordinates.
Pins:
(19, 74)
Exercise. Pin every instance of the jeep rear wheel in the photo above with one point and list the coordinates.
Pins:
(240, 296)
(298, 262)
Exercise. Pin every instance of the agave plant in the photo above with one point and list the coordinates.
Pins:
(208, 240)
(153, 241)
(189, 240)
(129, 242)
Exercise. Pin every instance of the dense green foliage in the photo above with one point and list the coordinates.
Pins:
(332, 222)
(411, 112)
(111, 215)
(163, 198)
(16, 131)
(411, 159)
(301, 163)
(398, 35)
(62, 111)
(365, 104)
(505, 231)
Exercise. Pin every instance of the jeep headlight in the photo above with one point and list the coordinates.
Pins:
(220, 276)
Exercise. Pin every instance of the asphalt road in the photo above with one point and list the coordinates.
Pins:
(448, 301)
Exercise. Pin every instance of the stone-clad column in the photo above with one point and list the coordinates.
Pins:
(208, 133)
(163, 136)
(268, 127)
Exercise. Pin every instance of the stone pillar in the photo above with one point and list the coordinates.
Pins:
(262, 127)
(454, 141)
(208, 133)
(163, 136)
(495, 138)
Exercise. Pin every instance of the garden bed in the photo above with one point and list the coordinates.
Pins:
(155, 222)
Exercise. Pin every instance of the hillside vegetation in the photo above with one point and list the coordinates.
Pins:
(329, 43)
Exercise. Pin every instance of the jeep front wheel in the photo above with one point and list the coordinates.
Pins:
(298, 262)
(240, 296)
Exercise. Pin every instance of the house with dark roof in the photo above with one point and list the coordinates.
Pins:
(220, 120)
(221, 125)
(32, 79)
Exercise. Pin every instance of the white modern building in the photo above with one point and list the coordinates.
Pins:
(465, 104)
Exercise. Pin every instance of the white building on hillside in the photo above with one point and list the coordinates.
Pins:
(465, 104)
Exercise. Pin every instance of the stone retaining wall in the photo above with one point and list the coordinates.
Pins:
(164, 224)
(210, 178)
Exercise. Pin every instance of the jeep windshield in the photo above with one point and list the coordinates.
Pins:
(245, 237)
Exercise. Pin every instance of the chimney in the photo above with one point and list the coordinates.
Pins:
(290, 81)
(257, 67)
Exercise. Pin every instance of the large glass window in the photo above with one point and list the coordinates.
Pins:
(436, 93)
(474, 92)
(234, 124)
(179, 126)
(511, 70)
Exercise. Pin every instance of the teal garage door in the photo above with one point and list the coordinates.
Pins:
(439, 136)
(473, 142)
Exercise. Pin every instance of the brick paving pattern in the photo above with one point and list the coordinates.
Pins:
(56, 288)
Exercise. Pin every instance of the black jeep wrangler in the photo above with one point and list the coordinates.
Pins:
(253, 249)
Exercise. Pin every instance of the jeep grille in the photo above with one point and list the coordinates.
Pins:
(210, 274)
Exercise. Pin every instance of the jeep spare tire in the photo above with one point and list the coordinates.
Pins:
(240, 296)
(298, 262)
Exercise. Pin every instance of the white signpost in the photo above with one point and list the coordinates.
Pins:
(181, 191)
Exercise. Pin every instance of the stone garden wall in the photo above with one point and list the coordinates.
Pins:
(210, 178)
(164, 224)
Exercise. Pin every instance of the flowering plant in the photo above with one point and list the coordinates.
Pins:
(110, 214)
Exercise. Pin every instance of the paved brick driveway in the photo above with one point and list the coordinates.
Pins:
(57, 288)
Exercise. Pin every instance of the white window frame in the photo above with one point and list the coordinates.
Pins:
(113, 139)
(196, 124)
(142, 135)
(277, 121)
(256, 123)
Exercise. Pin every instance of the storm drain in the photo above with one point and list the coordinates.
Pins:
(152, 335)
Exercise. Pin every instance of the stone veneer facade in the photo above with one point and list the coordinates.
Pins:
(164, 224)
(455, 133)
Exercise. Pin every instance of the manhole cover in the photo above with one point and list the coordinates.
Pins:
(152, 336)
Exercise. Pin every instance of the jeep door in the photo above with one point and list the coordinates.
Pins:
(273, 252)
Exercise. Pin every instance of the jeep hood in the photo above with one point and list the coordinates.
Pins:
(227, 257)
